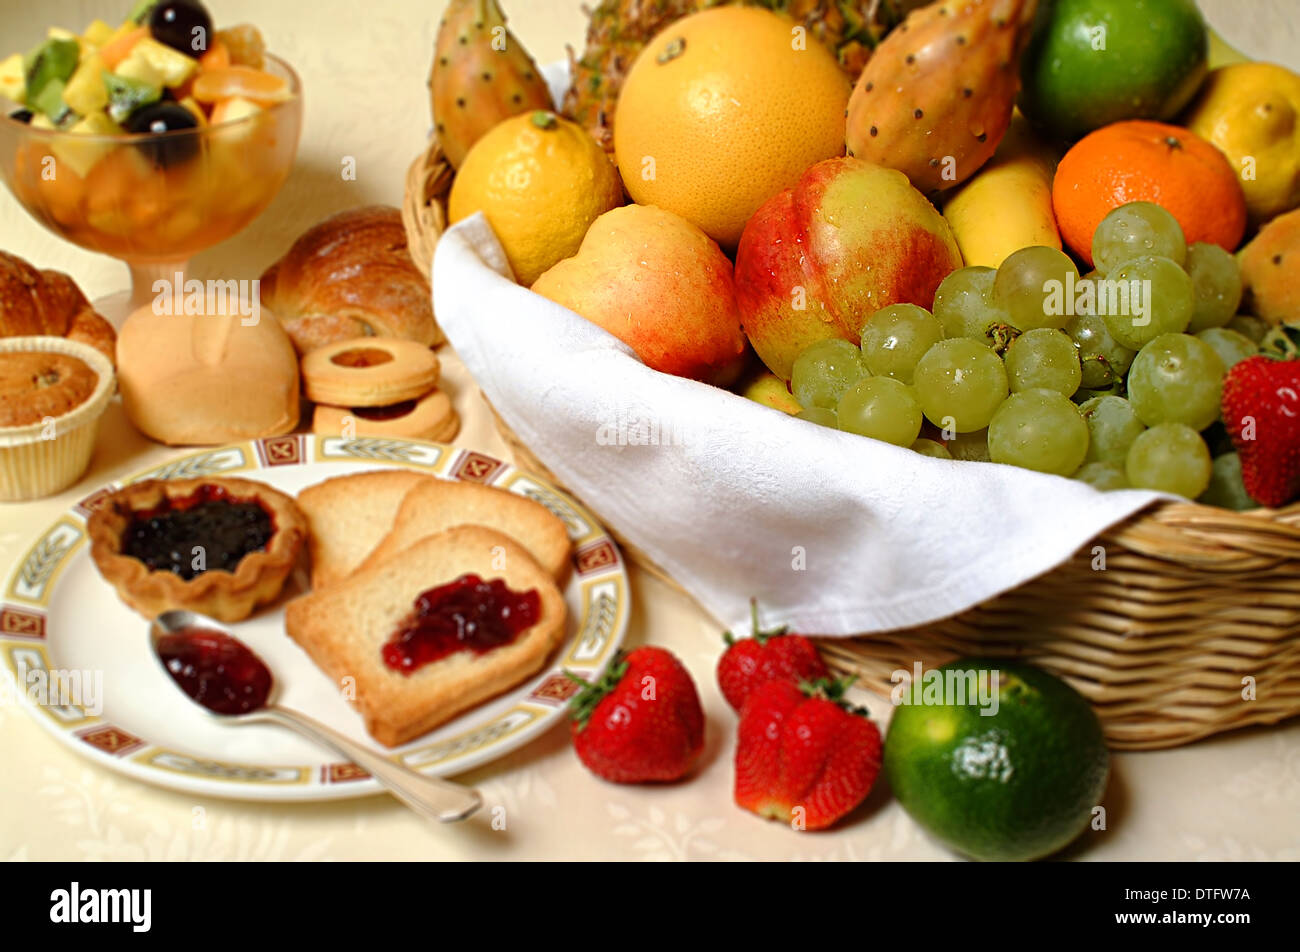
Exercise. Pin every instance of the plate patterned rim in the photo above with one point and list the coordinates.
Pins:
(598, 570)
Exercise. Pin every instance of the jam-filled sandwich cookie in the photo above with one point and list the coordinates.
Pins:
(432, 417)
(215, 545)
(370, 372)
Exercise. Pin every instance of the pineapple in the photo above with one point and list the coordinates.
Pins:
(621, 28)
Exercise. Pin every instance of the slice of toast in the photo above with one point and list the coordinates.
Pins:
(436, 506)
(344, 628)
(349, 515)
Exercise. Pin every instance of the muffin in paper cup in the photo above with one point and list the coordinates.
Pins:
(47, 456)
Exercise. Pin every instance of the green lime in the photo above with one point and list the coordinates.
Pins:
(1016, 783)
(1093, 62)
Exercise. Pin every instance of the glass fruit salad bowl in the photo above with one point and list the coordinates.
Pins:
(149, 142)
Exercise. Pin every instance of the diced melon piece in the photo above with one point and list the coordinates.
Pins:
(172, 66)
(42, 121)
(13, 84)
(86, 92)
(82, 154)
(97, 34)
(121, 43)
(236, 107)
(140, 69)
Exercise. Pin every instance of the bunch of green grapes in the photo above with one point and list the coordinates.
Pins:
(1113, 377)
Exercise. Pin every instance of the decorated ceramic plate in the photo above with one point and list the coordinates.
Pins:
(113, 703)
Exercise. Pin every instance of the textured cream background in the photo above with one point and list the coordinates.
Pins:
(364, 67)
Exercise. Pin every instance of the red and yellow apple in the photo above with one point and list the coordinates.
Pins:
(818, 259)
(660, 285)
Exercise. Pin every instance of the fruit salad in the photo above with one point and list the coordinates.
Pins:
(164, 68)
(94, 154)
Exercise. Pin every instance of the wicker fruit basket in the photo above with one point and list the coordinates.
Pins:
(1177, 624)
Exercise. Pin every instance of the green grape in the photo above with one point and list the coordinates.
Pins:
(1031, 286)
(895, 338)
(1039, 430)
(824, 371)
(1176, 379)
(1249, 326)
(882, 408)
(964, 307)
(960, 384)
(820, 416)
(1160, 299)
(1226, 489)
(931, 448)
(1103, 476)
(972, 447)
(1216, 281)
(1113, 425)
(1138, 228)
(1043, 359)
(1103, 361)
(1231, 346)
(1169, 458)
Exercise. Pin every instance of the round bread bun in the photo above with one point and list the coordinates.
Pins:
(432, 417)
(370, 372)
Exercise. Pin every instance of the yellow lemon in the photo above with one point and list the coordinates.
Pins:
(1251, 111)
(540, 181)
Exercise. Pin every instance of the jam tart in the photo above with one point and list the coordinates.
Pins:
(216, 545)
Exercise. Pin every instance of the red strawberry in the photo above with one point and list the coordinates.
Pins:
(642, 721)
(802, 755)
(1261, 408)
(768, 656)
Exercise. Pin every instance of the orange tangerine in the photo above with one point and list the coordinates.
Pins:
(1142, 161)
(242, 82)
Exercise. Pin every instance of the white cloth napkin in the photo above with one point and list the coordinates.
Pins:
(833, 533)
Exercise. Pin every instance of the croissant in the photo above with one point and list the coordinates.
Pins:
(49, 304)
(351, 276)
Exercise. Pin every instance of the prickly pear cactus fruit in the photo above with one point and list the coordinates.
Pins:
(936, 98)
(481, 75)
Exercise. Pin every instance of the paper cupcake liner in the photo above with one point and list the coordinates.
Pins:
(33, 465)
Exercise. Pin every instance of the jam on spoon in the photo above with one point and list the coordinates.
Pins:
(219, 672)
(215, 670)
(468, 614)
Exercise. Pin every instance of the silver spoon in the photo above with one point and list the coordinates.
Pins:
(431, 797)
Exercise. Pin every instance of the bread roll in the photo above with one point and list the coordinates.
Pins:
(352, 276)
(206, 380)
(48, 304)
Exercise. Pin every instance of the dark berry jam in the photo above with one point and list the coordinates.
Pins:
(392, 412)
(468, 614)
(216, 670)
(165, 538)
